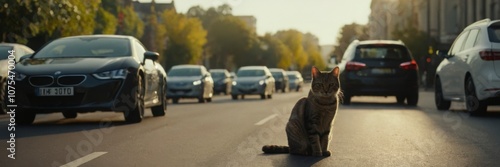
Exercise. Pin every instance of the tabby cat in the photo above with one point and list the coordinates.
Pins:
(308, 129)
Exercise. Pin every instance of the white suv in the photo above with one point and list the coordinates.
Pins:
(470, 70)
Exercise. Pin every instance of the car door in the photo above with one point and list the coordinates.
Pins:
(150, 74)
(463, 57)
(449, 68)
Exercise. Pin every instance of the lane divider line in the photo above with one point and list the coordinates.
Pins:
(84, 159)
(263, 121)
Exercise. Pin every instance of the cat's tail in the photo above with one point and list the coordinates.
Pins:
(274, 149)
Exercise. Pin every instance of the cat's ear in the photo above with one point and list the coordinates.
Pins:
(335, 71)
(314, 72)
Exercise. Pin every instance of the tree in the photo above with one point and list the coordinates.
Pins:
(209, 15)
(39, 21)
(347, 34)
(129, 22)
(229, 39)
(275, 52)
(312, 48)
(186, 38)
(106, 22)
(293, 40)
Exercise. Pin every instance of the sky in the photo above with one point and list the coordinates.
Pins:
(323, 18)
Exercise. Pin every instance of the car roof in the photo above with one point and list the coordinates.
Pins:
(481, 23)
(276, 69)
(374, 42)
(100, 36)
(186, 66)
(253, 68)
(11, 44)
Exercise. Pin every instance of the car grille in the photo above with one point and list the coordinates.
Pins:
(71, 80)
(41, 80)
(180, 90)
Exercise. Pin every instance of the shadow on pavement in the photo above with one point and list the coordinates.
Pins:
(377, 105)
(60, 126)
(295, 160)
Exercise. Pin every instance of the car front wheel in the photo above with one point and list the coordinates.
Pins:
(441, 103)
(25, 117)
(135, 115)
(160, 110)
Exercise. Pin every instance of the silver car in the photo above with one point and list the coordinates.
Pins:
(189, 81)
(253, 80)
(19, 51)
(296, 82)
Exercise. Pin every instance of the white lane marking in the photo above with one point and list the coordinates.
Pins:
(263, 121)
(84, 159)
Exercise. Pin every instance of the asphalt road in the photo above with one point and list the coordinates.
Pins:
(373, 131)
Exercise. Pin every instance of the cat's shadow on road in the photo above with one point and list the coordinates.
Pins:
(295, 160)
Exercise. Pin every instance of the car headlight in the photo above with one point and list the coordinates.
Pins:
(115, 74)
(197, 82)
(235, 83)
(261, 82)
(19, 76)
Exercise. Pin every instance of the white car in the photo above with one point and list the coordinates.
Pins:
(470, 71)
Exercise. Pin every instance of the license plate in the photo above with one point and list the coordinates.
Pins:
(56, 91)
(382, 71)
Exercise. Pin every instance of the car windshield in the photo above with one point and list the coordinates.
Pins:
(184, 72)
(292, 76)
(86, 47)
(218, 74)
(277, 74)
(494, 33)
(4, 52)
(382, 51)
(250, 73)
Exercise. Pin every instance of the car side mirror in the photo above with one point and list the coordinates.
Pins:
(25, 57)
(268, 76)
(151, 55)
(442, 53)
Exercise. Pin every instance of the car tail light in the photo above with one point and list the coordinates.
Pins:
(354, 66)
(489, 55)
(410, 65)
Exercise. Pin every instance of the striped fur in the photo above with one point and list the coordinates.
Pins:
(308, 129)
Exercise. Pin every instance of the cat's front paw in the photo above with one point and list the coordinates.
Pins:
(317, 154)
(327, 153)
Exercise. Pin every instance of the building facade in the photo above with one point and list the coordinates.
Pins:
(443, 20)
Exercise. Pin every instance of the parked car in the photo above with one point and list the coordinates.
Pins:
(190, 81)
(379, 68)
(222, 81)
(19, 51)
(280, 78)
(470, 70)
(296, 82)
(253, 80)
(90, 73)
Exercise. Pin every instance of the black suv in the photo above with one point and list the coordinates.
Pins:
(379, 68)
(281, 79)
